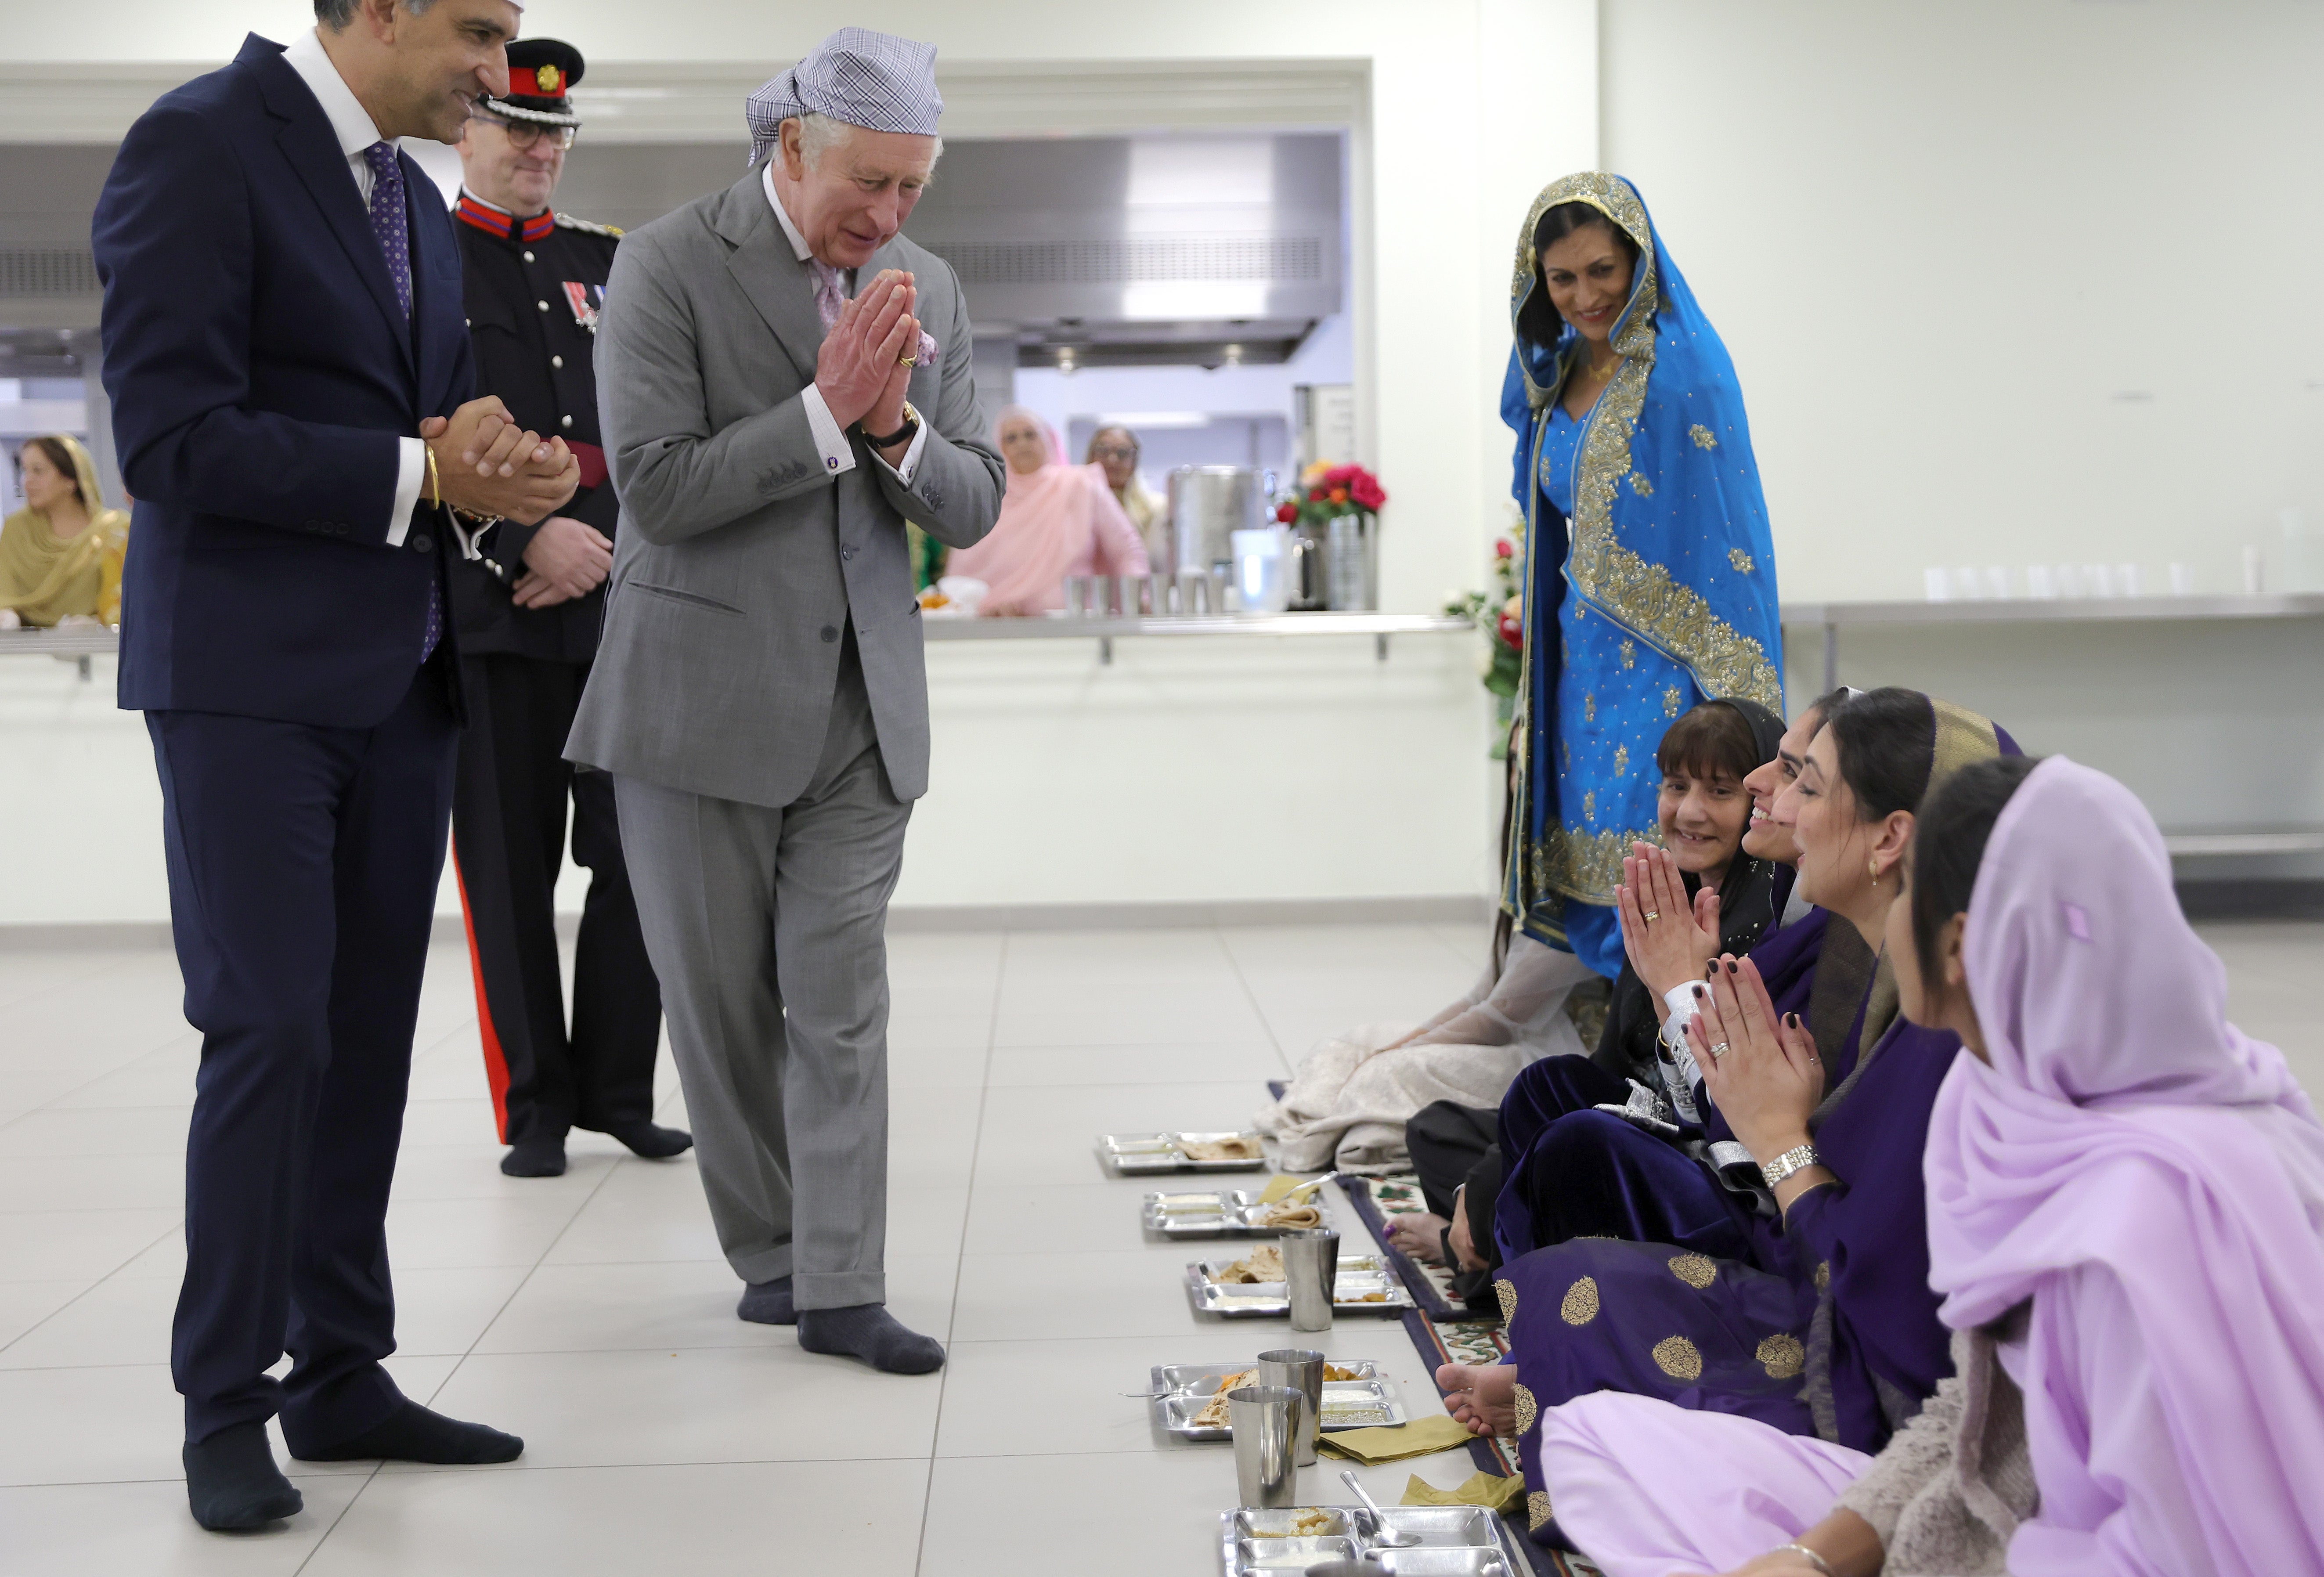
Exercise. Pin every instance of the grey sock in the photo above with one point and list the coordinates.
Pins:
(869, 1332)
(768, 1303)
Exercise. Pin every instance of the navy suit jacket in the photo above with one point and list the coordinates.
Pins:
(261, 370)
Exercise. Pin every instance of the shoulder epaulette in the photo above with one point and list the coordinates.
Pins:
(568, 221)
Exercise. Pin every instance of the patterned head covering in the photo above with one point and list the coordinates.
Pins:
(875, 80)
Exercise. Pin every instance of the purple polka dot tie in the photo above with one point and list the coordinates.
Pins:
(388, 223)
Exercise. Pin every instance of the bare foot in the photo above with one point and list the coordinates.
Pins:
(1420, 1236)
(1482, 1396)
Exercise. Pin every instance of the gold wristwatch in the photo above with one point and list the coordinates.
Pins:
(902, 434)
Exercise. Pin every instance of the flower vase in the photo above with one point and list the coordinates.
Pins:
(1351, 559)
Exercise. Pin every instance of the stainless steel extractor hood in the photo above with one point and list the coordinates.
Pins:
(1184, 250)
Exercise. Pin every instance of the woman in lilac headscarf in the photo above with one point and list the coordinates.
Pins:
(2126, 1225)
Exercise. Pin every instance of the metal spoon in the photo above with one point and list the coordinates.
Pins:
(1390, 1538)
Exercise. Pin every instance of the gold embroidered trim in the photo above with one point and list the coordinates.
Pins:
(1622, 760)
(1629, 650)
(1671, 698)
(1678, 1358)
(1781, 1357)
(1587, 866)
(1697, 1271)
(1701, 436)
(1537, 1510)
(1580, 1304)
(1589, 707)
(1739, 559)
(1527, 1410)
(1590, 805)
(1507, 1293)
(1640, 485)
(1612, 196)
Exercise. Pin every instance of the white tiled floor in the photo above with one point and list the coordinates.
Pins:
(592, 1315)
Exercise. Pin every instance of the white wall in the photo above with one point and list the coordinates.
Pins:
(1285, 770)
(2007, 282)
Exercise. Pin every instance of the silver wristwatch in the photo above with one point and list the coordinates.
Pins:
(1789, 1162)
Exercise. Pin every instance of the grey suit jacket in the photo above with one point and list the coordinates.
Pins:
(740, 559)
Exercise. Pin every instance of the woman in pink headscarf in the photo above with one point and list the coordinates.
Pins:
(2125, 1223)
(1057, 520)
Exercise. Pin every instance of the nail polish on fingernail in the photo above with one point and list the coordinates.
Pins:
(1699, 993)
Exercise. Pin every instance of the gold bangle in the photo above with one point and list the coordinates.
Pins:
(435, 483)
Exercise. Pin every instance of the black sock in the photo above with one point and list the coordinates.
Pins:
(536, 1158)
(768, 1303)
(869, 1332)
(655, 1144)
(232, 1482)
(413, 1433)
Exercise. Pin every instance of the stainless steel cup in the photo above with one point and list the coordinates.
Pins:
(1302, 1370)
(1266, 1423)
(1136, 594)
(1077, 598)
(1311, 1264)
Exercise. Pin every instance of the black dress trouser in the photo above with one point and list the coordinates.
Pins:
(508, 839)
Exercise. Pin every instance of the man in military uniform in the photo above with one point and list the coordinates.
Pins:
(527, 616)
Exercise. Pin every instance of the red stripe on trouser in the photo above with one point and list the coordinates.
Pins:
(496, 1072)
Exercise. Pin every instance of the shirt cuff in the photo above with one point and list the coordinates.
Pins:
(911, 461)
(837, 454)
(411, 471)
(1680, 1001)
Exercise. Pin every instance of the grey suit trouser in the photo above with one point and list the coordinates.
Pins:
(767, 928)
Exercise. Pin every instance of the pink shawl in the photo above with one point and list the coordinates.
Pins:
(1061, 520)
(2153, 1181)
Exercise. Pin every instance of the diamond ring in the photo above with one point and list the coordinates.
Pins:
(1719, 1051)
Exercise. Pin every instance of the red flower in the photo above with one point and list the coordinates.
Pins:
(1512, 632)
(1504, 549)
(1366, 490)
(1287, 512)
(1315, 495)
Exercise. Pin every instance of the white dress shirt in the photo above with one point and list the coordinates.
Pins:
(838, 456)
(353, 124)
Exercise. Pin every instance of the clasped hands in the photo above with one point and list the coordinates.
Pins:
(1677, 943)
(487, 464)
(860, 371)
(1760, 1069)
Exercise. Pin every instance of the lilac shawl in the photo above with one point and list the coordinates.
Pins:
(2152, 1181)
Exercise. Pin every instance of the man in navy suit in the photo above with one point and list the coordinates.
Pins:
(291, 380)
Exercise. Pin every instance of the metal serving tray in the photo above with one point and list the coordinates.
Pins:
(1456, 1541)
(1370, 1401)
(1131, 1155)
(1364, 1285)
(1211, 1215)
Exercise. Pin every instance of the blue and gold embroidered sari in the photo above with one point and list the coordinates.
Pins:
(1656, 592)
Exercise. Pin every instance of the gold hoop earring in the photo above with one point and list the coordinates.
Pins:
(1874, 865)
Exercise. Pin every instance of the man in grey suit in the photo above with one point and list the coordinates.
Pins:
(759, 694)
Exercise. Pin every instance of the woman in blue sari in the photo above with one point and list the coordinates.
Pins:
(1651, 576)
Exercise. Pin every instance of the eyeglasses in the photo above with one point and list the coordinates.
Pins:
(523, 136)
(1113, 452)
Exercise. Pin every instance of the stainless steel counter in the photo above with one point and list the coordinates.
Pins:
(84, 644)
(1831, 618)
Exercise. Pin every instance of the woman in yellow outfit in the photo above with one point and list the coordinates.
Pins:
(60, 554)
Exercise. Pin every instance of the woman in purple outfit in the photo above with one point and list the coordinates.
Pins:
(1814, 1317)
(2125, 1223)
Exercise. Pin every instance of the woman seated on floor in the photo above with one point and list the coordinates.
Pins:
(2126, 1201)
(1722, 863)
(1806, 1308)
(1348, 1105)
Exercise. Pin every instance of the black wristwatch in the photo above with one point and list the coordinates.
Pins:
(911, 425)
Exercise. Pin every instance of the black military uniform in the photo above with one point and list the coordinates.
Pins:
(533, 288)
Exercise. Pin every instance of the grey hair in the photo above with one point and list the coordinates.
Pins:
(335, 15)
(818, 133)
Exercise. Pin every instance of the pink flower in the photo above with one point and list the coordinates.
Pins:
(1504, 548)
(1512, 632)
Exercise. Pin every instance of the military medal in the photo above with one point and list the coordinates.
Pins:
(584, 310)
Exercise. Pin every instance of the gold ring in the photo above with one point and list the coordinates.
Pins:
(1653, 915)
(907, 361)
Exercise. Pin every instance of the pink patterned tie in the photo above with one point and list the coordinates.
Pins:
(830, 295)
